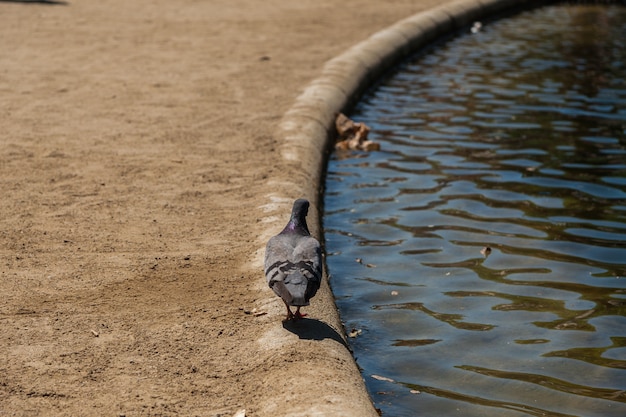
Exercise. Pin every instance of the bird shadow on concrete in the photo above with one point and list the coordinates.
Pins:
(312, 329)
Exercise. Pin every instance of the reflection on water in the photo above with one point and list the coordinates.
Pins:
(482, 252)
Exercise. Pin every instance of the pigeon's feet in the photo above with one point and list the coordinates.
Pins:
(290, 315)
(294, 316)
(297, 315)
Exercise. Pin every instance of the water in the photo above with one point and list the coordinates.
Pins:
(512, 139)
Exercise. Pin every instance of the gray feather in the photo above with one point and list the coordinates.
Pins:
(293, 260)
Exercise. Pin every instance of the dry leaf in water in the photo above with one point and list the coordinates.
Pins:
(353, 135)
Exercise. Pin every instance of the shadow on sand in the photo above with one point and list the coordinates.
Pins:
(312, 329)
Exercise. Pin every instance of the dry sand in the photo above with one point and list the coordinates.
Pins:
(137, 152)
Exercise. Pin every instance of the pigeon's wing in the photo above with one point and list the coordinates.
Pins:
(308, 257)
(277, 253)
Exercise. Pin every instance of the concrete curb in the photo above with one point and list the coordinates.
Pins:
(305, 132)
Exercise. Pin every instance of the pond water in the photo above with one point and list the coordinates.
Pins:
(479, 258)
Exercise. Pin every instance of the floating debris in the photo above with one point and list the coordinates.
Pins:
(382, 378)
(354, 333)
(353, 135)
(360, 261)
(476, 27)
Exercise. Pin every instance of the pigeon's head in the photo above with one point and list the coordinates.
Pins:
(300, 208)
(297, 222)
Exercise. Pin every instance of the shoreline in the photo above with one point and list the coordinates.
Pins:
(307, 129)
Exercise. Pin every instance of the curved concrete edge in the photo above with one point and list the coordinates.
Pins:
(304, 134)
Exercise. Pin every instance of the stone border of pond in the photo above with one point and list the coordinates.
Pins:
(306, 134)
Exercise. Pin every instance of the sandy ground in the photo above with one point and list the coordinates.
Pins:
(137, 149)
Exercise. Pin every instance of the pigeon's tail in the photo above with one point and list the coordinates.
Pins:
(298, 302)
(282, 291)
(297, 286)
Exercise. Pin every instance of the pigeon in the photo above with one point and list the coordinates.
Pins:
(293, 262)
